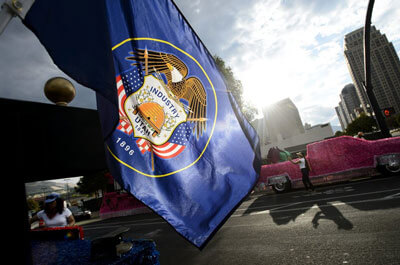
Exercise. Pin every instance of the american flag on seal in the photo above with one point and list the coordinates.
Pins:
(170, 149)
(124, 124)
(175, 145)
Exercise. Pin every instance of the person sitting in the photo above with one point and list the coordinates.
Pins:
(360, 135)
(54, 213)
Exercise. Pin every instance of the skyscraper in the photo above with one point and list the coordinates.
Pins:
(350, 101)
(385, 68)
(341, 119)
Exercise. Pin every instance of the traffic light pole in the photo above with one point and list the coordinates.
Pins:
(367, 71)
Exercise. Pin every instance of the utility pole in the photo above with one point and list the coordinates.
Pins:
(367, 71)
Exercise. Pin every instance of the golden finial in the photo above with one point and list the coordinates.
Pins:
(59, 91)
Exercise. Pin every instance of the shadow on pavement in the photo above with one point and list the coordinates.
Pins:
(330, 212)
(284, 214)
(287, 207)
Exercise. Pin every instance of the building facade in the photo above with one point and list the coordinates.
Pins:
(351, 102)
(282, 120)
(342, 121)
(385, 69)
(282, 127)
(349, 106)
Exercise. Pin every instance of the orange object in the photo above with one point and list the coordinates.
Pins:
(153, 114)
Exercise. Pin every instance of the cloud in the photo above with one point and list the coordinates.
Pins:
(26, 66)
(289, 48)
(319, 114)
(278, 49)
(319, 7)
(215, 21)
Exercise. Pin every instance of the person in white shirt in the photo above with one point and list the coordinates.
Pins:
(54, 213)
(360, 135)
(305, 170)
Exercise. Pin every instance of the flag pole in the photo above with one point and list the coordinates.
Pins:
(12, 8)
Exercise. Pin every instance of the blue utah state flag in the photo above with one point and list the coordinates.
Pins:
(177, 141)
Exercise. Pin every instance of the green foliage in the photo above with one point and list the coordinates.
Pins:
(363, 123)
(90, 184)
(236, 88)
(339, 133)
(397, 117)
(33, 205)
(393, 122)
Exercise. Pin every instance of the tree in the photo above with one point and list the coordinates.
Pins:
(363, 123)
(339, 133)
(236, 88)
(398, 119)
(90, 184)
(33, 205)
(393, 121)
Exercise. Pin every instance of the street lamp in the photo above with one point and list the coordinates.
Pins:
(367, 70)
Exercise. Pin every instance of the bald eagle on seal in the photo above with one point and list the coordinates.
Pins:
(182, 86)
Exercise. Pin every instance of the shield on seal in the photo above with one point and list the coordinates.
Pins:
(154, 111)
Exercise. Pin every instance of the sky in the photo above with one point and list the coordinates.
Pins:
(278, 49)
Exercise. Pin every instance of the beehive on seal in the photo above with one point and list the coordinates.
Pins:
(153, 114)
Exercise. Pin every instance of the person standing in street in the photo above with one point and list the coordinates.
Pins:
(305, 170)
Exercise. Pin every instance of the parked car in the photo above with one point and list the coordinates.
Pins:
(336, 159)
(80, 214)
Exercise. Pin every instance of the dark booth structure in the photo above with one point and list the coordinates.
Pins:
(42, 142)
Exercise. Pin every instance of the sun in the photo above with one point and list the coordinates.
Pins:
(261, 94)
(266, 82)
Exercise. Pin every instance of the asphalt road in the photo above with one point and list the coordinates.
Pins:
(350, 223)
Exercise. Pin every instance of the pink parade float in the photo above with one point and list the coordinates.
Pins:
(337, 159)
(121, 204)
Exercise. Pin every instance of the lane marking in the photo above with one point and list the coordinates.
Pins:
(397, 195)
(320, 199)
(331, 186)
(277, 208)
(318, 206)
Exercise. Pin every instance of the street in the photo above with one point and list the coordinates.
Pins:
(349, 223)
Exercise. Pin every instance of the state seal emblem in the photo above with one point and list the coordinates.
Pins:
(154, 111)
(162, 106)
